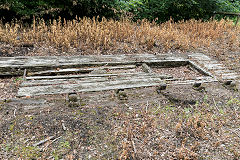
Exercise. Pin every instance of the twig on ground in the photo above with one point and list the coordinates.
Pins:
(63, 126)
(44, 148)
(157, 108)
(147, 107)
(14, 112)
(215, 104)
(235, 132)
(43, 141)
(134, 147)
(235, 111)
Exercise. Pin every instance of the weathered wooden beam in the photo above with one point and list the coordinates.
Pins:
(187, 82)
(19, 70)
(79, 70)
(16, 65)
(88, 87)
(200, 69)
(41, 82)
(45, 82)
(61, 81)
(99, 75)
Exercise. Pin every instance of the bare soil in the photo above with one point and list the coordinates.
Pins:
(182, 72)
(177, 123)
(8, 87)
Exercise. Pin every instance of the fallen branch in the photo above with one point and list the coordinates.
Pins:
(44, 148)
(235, 132)
(215, 104)
(63, 126)
(43, 141)
(134, 147)
(147, 107)
(14, 112)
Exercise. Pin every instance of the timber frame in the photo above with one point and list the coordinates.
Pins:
(63, 75)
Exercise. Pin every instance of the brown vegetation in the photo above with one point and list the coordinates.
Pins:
(148, 126)
(108, 35)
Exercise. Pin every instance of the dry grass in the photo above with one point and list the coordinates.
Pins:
(86, 33)
(149, 131)
(166, 131)
(180, 134)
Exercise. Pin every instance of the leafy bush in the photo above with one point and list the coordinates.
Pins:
(162, 10)
(149, 9)
(177, 9)
(229, 5)
(90, 8)
(24, 9)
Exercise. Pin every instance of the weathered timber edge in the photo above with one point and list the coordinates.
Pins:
(15, 66)
(87, 87)
(103, 85)
(200, 69)
(78, 70)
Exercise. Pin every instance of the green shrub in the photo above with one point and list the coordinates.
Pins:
(25, 9)
(148, 9)
(178, 10)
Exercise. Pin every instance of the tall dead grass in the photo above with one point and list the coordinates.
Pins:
(86, 33)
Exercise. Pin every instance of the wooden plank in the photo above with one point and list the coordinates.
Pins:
(19, 70)
(91, 79)
(228, 13)
(62, 81)
(71, 60)
(88, 87)
(96, 75)
(102, 79)
(79, 70)
(16, 65)
(200, 69)
(105, 85)
(186, 82)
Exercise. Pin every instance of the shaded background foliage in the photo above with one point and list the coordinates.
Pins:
(161, 10)
(177, 9)
(48, 9)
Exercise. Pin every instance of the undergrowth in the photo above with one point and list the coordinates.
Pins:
(86, 33)
(195, 133)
